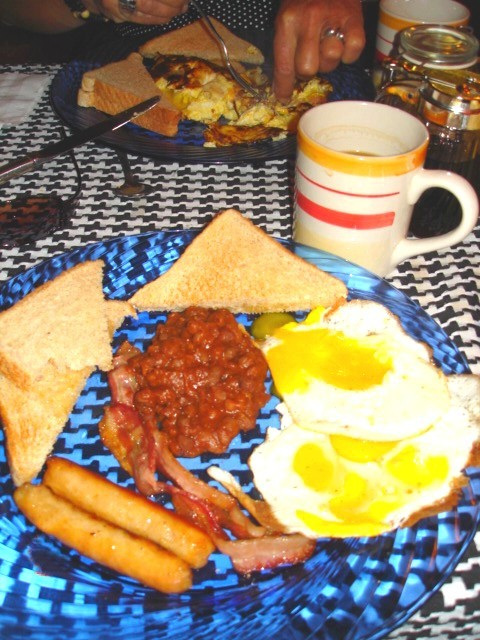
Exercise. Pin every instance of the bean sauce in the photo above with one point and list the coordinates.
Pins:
(201, 380)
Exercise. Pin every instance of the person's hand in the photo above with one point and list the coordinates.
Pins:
(300, 47)
(146, 11)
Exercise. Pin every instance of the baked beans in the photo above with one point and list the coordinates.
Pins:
(201, 380)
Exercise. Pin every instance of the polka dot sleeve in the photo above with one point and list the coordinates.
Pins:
(235, 14)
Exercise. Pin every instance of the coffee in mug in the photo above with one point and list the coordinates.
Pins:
(359, 171)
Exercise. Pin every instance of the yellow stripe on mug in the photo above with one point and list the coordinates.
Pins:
(392, 22)
(361, 161)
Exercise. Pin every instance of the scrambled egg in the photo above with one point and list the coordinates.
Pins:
(205, 92)
(202, 91)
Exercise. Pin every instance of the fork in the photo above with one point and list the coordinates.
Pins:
(259, 95)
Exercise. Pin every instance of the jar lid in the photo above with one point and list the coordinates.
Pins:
(438, 46)
(448, 108)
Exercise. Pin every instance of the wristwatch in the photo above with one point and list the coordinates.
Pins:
(82, 13)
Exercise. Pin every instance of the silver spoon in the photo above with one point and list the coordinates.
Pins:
(132, 187)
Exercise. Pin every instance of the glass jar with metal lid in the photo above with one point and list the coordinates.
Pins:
(438, 46)
(422, 50)
(430, 46)
(434, 76)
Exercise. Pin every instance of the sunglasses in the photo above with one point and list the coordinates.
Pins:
(26, 218)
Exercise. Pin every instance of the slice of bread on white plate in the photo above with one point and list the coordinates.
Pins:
(235, 265)
(123, 84)
(196, 40)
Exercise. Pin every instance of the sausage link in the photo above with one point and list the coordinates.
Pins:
(128, 510)
(106, 544)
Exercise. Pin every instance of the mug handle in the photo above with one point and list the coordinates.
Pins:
(467, 197)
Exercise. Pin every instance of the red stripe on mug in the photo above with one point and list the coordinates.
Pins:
(380, 37)
(380, 56)
(347, 193)
(346, 220)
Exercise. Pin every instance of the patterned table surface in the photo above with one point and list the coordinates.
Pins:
(445, 283)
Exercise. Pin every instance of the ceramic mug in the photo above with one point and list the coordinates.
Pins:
(395, 15)
(359, 171)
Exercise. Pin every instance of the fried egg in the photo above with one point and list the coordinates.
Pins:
(354, 371)
(332, 485)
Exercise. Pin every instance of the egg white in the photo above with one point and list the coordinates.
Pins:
(407, 393)
(320, 489)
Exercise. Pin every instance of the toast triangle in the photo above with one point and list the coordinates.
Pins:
(235, 265)
(195, 40)
(123, 84)
(34, 418)
(62, 322)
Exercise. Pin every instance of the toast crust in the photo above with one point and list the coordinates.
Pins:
(60, 322)
(196, 40)
(123, 84)
(235, 265)
(33, 417)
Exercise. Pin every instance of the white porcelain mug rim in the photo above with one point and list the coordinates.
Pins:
(463, 11)
(357, 109)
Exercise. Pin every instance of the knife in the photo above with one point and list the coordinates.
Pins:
(31, 161)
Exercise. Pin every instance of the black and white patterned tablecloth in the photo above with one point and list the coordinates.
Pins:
(445, 284)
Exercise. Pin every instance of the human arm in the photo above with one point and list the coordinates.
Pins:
(53, 16)
(300, 48)
(40, 16)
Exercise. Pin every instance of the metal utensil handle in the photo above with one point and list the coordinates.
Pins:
(17, 168)
(237, 77)
(50, 151)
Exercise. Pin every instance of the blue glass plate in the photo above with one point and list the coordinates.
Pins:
(354, 589)
(348, 82)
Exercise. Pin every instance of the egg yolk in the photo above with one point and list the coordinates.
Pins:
(381, 510)
(360, 450)
(351, 504)
(329, 528)
(353, 511)
(314, 467)
(352, 499)
(416, 470)
(304, 353)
